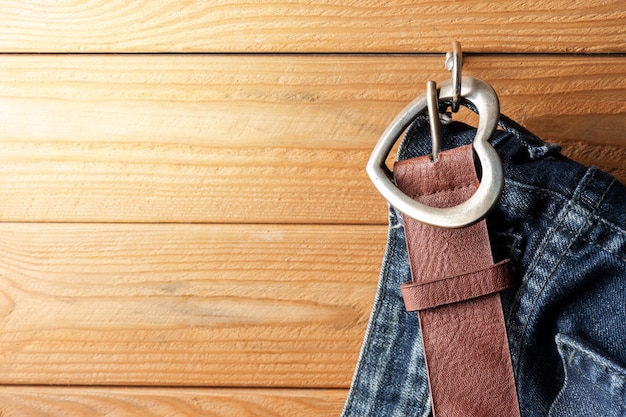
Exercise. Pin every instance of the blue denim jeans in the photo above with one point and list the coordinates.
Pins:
(564, 228)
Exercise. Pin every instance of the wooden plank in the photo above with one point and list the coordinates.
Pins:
(200, 305)
(313, 26)
(258, 139)
(155, 402)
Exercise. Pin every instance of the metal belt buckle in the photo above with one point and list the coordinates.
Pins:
(484, 98)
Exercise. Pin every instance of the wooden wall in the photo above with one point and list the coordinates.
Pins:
(186, 226)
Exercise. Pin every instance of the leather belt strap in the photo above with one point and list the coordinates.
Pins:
(454, 288)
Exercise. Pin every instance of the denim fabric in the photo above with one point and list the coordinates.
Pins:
(564, 228)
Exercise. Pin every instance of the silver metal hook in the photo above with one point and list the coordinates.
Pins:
(454, 64)
(432, 98)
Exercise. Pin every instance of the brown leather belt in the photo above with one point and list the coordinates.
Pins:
(454, 289)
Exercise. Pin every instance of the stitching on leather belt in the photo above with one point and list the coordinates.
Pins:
(458, 187)
(454, 289)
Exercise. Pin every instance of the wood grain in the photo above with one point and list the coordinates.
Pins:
(229, 235)
(312, 26)
(256, 139)
(203, 305)
(165, 402)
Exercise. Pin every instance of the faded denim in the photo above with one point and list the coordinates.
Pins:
(564, 228)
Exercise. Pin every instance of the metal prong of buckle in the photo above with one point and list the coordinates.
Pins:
(486, 196)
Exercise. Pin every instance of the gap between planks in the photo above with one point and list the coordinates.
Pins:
(255, 139)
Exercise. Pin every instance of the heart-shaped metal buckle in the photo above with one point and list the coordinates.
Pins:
(484, 98)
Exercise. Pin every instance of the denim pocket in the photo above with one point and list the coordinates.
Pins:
(593, 386)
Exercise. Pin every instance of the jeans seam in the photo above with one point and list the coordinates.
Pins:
(563, 216)
(383, 275)
(611, 225)
(614, 397)
(603, 221)
(606, 369)
(609, 251)
(607, 224)
(518, 298)
(533, 305)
